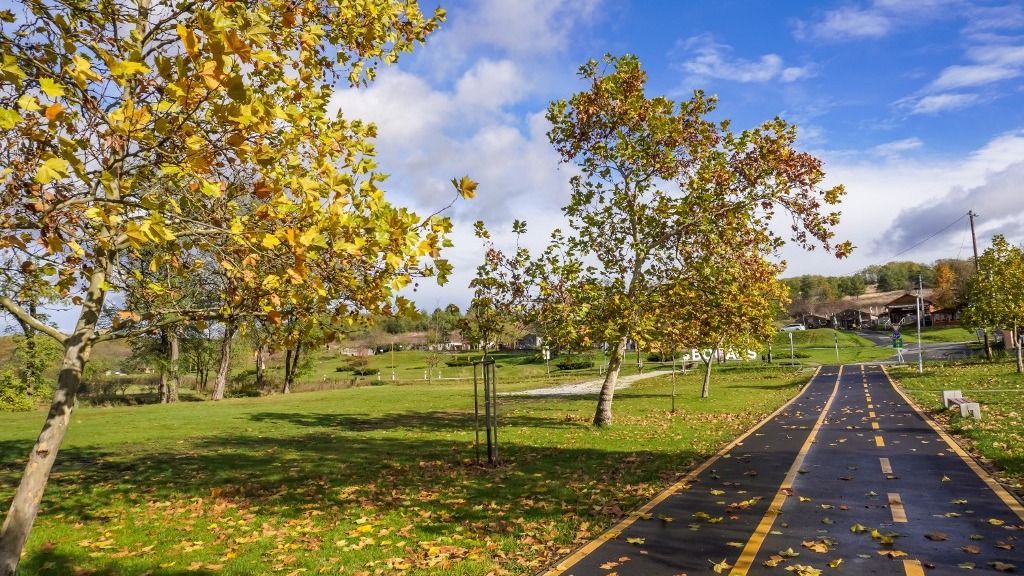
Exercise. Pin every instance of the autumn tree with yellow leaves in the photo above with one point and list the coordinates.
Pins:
(200, 134)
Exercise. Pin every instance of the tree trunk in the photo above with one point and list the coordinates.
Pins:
(988, 346)
(291, 372)
(162, 391)
(1020, 356)
(225, 362)
(705, 390)
(261, 364)
(25, 505)
(175, 380)
(603, 415)
(287, 366)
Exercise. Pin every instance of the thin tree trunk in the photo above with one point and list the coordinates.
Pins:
(287, 367)
(988, 346)
(225, 362)
(705, 390)
(603, 415)
(175, 380)
(25, 505)
(162, 391)
(261, 364)
(1020, 355)
(291, 373)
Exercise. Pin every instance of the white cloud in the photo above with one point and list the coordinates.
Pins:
(935, 103)
(491, 84)
(707, 59)
(992, 63)
(898, 146)
(847, 23)
(890, 204)
(874, 19)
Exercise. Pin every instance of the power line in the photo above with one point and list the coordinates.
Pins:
(933, 235)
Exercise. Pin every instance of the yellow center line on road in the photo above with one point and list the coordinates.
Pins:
(913, 568)
(886, 466)
(899, 514)
(753, 546)
(874, 425)
(870, 406)
(871, 414)
(879, 441)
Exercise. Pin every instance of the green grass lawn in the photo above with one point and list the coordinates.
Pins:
(411, 366)
(937, 334)
(999, 435)
(369, 480)
(817, 346)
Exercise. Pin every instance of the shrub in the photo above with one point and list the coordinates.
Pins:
(569, 364)
(659, 357)
(365, 371)
(344, 369)
(13, 393)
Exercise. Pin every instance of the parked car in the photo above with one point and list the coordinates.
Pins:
(794, 328)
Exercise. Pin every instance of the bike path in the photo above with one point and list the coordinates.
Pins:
(847, 477)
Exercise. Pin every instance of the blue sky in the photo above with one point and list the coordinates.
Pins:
(917, 106)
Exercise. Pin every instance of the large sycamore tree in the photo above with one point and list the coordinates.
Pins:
(199, 135)
(659, 177)
(995, 295)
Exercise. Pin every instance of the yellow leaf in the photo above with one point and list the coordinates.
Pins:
(50, 87)
(52, 169)
(126, 68)
(465, 186)
(9, 119)
(211, 189)
(29, 102)
(188, 39)
(270, 241)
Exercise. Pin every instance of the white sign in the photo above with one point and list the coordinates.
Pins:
(724, 355)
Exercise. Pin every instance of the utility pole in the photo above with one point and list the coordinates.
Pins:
(974, 242)
(920, 310)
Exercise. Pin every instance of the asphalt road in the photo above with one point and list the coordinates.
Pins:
(929, 350)
(847, 478)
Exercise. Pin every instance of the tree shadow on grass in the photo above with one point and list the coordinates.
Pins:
(441, 421)
(342, 464)
(54, 563)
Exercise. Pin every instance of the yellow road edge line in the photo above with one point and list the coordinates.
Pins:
(611, 533)
(753, 546)
(987, 478)
(913, 568)
(899, 513)
(886, 465)
(879, 441)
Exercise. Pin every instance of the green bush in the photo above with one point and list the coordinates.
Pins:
(568, 364)
(13, 393)
(365, 371)
(659, 357)
(344, 369)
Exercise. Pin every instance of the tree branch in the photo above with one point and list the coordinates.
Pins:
(23, 316)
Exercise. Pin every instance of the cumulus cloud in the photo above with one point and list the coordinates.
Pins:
(991, 63)
(704, 58)
(894, 203)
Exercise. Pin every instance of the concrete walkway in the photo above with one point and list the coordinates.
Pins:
(588, 387)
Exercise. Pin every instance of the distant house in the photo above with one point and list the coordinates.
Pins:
(530, 342)
(852, 318)
(356, 351)
(946, 316)
(905, 307)
(815, 321)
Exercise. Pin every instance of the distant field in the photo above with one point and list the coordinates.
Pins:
(370, 480)
(818, 346)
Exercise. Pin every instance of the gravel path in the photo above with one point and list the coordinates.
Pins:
(588, 387)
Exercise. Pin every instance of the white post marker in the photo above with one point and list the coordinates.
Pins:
(920, 310)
